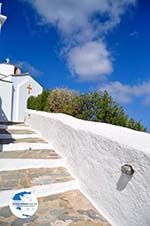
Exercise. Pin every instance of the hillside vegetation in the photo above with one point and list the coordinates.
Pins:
(95, 106)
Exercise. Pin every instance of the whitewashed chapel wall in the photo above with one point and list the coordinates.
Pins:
(5, 101)
(94, 153)
(21, 94)
(6, 69)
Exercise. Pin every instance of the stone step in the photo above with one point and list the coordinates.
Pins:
(30, 154)
(12, 123)
(22, 140)
(69, 208)
(21, 164)
(4, 125)
(40, 191)
(19, 147)
(15, 131)
(17, 127)
(19, 136)
(18, 179)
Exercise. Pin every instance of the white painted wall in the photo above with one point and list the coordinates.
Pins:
(7, 69)
(5, 100)
(95, 153)
(20, 95)
(19, 92)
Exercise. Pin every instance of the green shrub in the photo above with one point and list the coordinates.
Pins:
(38, 103)
(110, 112)
(60, 100)
(86, 106)
(31, 103)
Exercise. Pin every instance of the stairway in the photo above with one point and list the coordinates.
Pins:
(28, 161)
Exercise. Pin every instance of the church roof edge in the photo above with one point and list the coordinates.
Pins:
(22, 74)
(10, 64)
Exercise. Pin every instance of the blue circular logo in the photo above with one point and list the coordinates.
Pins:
(23, 204)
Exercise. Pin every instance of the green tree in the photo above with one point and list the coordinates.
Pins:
(60, 100)
(135, 125)
(86, 106)
(110, 112)
(31, 103)
(38, 103)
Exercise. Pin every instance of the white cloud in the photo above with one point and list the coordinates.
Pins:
(79, 27)
(27, 67)
(126, 93)
(90, 60)
(70, 15)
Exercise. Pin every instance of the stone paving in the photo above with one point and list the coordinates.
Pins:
(30, 177)
(65, 209)
(22, 140)
(30, 154)
(69, 208)
(14, 131)
(12, 123)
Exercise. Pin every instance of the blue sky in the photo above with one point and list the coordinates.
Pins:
(83, 45)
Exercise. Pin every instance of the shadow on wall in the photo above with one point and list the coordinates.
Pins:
(5, 136)
(123, 181)
(2, 114)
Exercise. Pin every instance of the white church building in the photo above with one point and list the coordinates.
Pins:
(15, 89)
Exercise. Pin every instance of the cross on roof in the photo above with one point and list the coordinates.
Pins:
(29, 88)
(7, 60)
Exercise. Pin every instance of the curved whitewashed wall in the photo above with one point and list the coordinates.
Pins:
(95, 153)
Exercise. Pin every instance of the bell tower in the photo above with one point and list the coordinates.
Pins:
(2, 17)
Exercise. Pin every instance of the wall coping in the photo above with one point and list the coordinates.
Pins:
(124, 136)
